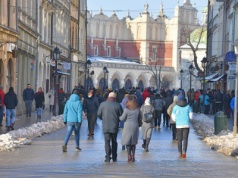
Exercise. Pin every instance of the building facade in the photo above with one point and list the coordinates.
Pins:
(8, 39)
(146, 40)
(222, 34)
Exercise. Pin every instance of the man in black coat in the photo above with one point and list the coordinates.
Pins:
(10, 101)
(28, 97)
(109, 112)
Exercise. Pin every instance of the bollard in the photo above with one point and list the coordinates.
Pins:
(220, 122)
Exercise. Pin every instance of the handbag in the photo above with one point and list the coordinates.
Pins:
(148, 117)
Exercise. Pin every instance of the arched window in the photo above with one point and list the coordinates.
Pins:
(141, 85)
(115, 84)
(128, 84)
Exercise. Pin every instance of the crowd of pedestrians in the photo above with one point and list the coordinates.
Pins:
(125, 109)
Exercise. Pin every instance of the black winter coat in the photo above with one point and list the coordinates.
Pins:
(10, 100)
(40, 99)
(90, 105)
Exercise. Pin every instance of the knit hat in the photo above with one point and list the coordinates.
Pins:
(180, 97)
(112, 95)
(147, 101)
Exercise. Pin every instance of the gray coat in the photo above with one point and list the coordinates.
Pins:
(130, 132)
(109, 112)
(146, 127)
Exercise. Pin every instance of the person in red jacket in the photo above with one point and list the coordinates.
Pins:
(2, 95)
(145, 94)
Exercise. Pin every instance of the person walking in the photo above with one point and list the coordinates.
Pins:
(51, 99)
(90, 107)
(10, 101)
(2, 95)
(158, 104)
(168, 101)
(109, 112)
(73, 118)
(147, 124)
(130, 132)
(28, 97)
(172, 122)
(181, 114)
(39, 99)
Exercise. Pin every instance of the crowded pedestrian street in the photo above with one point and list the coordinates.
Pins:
(44, 157)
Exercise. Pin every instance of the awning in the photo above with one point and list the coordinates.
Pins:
(216, 79)
(63, 73)
(210, 76)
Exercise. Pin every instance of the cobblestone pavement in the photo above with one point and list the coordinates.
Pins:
(44, 158)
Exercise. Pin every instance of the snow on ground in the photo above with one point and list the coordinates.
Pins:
(15, 138)
(225, 142)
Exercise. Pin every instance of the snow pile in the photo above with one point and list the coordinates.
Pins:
(15, 138)
(225, 142)
(203, 125)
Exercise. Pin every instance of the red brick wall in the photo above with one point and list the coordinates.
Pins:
(164, 53)
(129, 49)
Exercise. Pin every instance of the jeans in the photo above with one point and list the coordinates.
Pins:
(39, 111)
(157, 119)
(182, 134)
(1, 114)
(73, 126)
(10, 113)
(28, 104)
(92, 117)
(110, 137)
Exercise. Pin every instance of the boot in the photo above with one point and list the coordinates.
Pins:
(147, 145)
(8, 128)
(133, 150)
(129, 158)
(144, 143)
(12, 126)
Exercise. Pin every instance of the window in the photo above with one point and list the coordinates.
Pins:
(119, 52)
(108, 51)
(8, 13)
(154, 53)
(95, 50)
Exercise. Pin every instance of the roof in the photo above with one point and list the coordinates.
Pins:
(110, 59)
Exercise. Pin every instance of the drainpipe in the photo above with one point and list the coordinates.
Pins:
(224, 42)
(37, 46)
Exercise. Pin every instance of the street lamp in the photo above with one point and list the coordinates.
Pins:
(236, 90)
(181, 73)
(190, 84)
(105, 71)
(56, 56)
(87, 67)
(204, 64)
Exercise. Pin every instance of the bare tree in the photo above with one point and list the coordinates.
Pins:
(156, 70)
(194, 43)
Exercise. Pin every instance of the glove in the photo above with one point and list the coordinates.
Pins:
(65, 123)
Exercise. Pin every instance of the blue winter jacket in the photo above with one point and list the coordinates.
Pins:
(181, 114)
(232, 103)
(73, 109)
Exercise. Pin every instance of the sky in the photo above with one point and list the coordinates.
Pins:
(136, 6)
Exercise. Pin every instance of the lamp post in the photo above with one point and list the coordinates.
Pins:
(105, 71)
(236, 90)
(190, 83)
(87, 67)
(56, 55)
(181, 73)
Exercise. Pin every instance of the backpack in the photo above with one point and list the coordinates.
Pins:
(148, 116)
